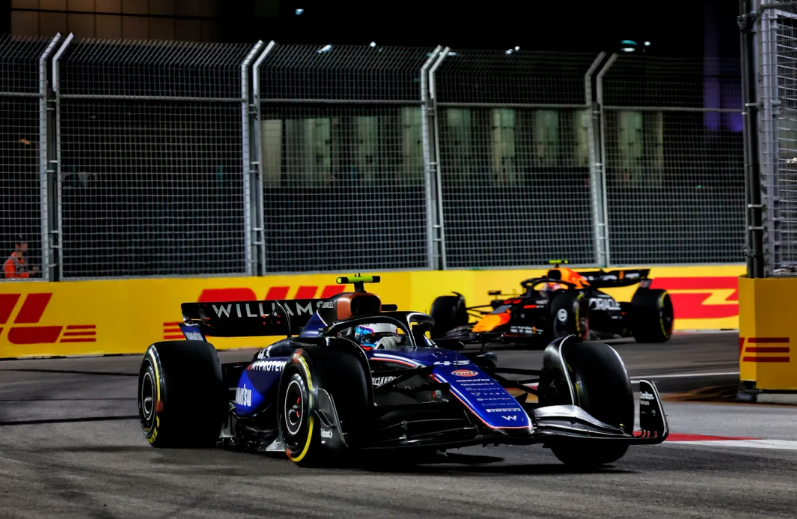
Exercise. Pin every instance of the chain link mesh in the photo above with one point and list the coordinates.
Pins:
(151, 179)
(342, 155)
(778, 136)
(674, 161)
(514, 158)
(20, 203)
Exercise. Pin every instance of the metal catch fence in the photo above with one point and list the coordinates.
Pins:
(150, 158)
(24, 140)
(776, 71)
(342, 158)
(514, 133)
(673, 149)
(175, 158)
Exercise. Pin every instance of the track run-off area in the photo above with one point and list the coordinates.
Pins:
(71, 446)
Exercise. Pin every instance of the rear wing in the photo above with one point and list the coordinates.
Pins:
(615, 278)
(249, 318)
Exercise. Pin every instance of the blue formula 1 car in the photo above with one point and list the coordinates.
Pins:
(356, 375)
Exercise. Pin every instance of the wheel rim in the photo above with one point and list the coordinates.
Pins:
(148, 397)
(294, 408)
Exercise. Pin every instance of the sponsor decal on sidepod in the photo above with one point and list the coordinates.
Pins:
(464, 373)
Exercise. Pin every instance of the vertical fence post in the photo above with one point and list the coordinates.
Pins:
(259, 154)
(249, 229)
(56, 220)
(595, 167)
(44, 150)
(435, 166)
(604, 159)
(427, 112)
(754, 207)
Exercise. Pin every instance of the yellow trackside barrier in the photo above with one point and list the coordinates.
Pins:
(125, 316)
(767, 334)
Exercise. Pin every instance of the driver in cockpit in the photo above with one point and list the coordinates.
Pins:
(378, 336)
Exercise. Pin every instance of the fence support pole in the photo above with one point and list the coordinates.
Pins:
(249, 230)
(598, 196)
(57, 218)
(427, 117)
(434, 167)
(260, 242)
(604, 159)
(754, 214)
(44, 155)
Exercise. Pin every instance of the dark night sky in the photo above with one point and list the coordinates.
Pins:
(674, 28)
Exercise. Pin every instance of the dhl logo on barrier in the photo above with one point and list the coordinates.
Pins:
(770, 353)
(216, 295)
(30, 313)
(702, 297)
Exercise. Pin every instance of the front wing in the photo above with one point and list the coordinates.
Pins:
(559, 423)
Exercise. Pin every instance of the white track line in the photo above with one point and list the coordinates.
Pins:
(685, 375)
(789, 445)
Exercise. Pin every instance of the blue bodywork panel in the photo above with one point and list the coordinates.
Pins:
(259, 379)
(477, 391)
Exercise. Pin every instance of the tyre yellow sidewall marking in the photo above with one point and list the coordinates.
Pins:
(306, 448)
(661, 319)
(311, 421)
(155, 427)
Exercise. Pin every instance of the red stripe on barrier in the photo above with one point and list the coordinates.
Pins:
(173, 337)
(172, 324)
(767, 349)
(33, 308)
(79, 340)
(765, 359)
(172, 330)
(80, 334)
(275, 293)
(34, 335)
(7, 304)
(769, 340)
(81, 326)
(306, 292)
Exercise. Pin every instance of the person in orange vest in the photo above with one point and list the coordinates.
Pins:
(14, 267)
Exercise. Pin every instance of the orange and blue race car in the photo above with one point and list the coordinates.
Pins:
(563, 302)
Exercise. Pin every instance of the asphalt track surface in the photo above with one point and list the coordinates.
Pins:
(71, 446)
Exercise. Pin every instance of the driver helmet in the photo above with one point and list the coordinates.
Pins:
(549, 288)
(370, 335)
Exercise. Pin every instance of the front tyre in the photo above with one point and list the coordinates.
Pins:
(603, 389)
(651, 316)
(570, 314)
(299, 429)
(321, 383)
(181, 396)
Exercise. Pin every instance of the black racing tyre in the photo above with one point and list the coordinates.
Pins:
(338, 373)
(570, 314)
(181, 396)
(603, 389)
(448, 312)
(651, 316)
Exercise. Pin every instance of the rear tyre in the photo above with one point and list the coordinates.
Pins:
(651, 316)
(448, 313)
(338, 373)
(181, 397)
(570, 315)
(602, 389)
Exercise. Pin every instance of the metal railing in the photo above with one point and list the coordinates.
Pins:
(174, 159)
